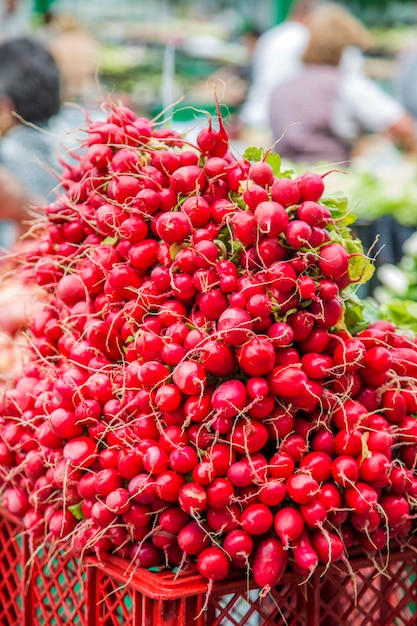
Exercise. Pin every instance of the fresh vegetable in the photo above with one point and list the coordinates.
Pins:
(202, 388)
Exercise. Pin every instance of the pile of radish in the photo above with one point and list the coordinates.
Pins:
(194, 396)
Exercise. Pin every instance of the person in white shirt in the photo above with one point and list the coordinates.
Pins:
(276, 56)
(320, 112)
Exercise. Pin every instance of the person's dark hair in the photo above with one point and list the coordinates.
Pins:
(30, 78)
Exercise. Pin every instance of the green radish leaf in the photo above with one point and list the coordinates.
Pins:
(336, 200)
(359, 313)
(174, 248)
(402, 313)
(75, 510)
(110, 241)
(274, 160)
(253, 153)
(286, 174)
(361, 269)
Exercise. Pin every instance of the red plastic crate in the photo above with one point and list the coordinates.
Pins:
(50, 589)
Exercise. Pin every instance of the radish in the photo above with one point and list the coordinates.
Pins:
(285, 191)
(361, 497)
(229, 398)
(256, 356)
(305, 556)
(310, 186)
(213, 563)
(269, 563)
(314, 514)
(187, 179)
(271, 218)
(196, 386)
(224, 520)
(289, 525)
(256, 519)
(301, 488)
(239, 546)
(333, 261)
(328, 546)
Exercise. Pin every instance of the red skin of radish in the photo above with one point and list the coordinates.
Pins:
(254, 194)
(287, 381)
(297, 234)
(240, 473)
(305, 556)
(333, 261)
(145, 554)
(272, 492)
(314, 513)
(15, 500)
(71, 289)
(289, 525)
(244, 227)
(269, 563)
(285, 191)
(248, 436)
(361, 498)
(212, 563)
(328, 546)
(143, 254)
(168, 485)
(173, 519)
(318, 465)
(396, 509)
(61, 523)
(224, 519)
(271, 218)
(198, 211)
(189, 377)
(173, 227)
(350, 415)
(281, 465)
(310, 186)
(404, 361)
(348, 441)
(366, 522)
(218, 358)
(229, 398)
(295, 445)
(80, 452)
(312, 213)
(261, 173)
(345, 470)
(374, 468)
(187, 179)
(192, 498)
(317, 365)
(349, 355)
(220, 456)
(401, 480)
(302, 488)
(256, 357)
(238, 544)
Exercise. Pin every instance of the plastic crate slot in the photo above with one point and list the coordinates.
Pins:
(58, 590)
(114, 601)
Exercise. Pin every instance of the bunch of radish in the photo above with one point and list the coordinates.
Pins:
(194, 395)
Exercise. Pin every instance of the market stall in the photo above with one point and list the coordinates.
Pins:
(208, 423)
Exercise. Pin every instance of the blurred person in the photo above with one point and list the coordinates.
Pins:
(29, 99)
(15, 18)
(276, 56)
(405, 80)
(77, 53)
(320, 113)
